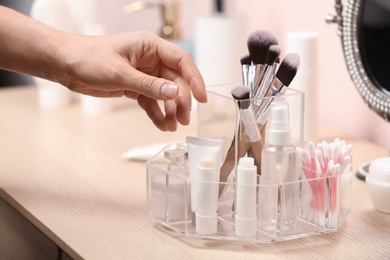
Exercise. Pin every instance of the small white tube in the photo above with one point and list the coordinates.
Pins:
(197, 149)
(245, 217)
(206, 190)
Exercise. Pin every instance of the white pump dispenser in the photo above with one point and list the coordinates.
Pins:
(279, 130)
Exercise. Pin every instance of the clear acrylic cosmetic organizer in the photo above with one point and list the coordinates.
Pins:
(323, 201)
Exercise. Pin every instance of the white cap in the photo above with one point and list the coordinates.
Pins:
(246, 162)
(206, 224)
(279, 128)
(245, 227)
(378, 184)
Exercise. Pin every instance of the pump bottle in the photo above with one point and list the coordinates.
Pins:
(279, 171)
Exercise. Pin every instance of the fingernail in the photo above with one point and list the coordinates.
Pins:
(169, 90)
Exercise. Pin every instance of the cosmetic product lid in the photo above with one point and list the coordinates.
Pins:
(378, 184)
(246, 171)
(246, 162)
(177, 157)
(380, 169)
(279, 128)
(245, 227)
(206, 223)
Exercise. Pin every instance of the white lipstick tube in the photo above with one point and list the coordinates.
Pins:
(207, 192)
(245, 217)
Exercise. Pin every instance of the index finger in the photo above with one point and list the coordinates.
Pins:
(181, 61)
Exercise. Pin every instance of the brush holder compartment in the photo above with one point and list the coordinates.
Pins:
(322, 201)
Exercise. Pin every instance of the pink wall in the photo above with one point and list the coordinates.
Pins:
(340, 105)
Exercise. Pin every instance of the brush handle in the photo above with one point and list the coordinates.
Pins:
(244, 146)
(259, 73)
(265, 81)
(230, 160)
(256, 148)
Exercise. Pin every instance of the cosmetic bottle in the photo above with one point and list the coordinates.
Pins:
(65, 15)
(168, 188)
(279, 166)
(218, 44)
(305, 43)
(245, 217)
(206, 191)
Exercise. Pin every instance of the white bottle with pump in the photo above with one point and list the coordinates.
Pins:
(280, 167)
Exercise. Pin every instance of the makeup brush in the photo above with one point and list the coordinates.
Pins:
(241, 95)
(284, 76)
(245, 67)
(258, 44)
(287, 71)
(272, 56)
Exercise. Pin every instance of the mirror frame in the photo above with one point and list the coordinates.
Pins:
(373, 96)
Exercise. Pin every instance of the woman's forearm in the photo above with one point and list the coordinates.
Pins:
(30, 47)
(138, 65)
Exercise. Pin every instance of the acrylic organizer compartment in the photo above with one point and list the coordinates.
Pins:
(320, 202)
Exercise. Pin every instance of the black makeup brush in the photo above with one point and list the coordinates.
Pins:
(241, 95)
(245, 67)
(287, 71)
(284, 76)
(272, 56)
(258, 44)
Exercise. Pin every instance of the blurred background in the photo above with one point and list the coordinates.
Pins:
(9, 78)
(339, 103)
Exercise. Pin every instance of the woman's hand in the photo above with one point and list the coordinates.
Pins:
(140, 66)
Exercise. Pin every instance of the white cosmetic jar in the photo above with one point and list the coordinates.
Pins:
(378, 184)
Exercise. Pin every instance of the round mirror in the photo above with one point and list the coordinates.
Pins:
(365, 34)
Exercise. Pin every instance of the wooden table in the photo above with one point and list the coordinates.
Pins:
(62, 171)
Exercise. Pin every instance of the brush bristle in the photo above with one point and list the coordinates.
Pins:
(241, 94)
(273, 54)
(258, 44)
(246, 59)
(288, 68)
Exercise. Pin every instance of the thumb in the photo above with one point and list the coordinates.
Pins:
(154, 87)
